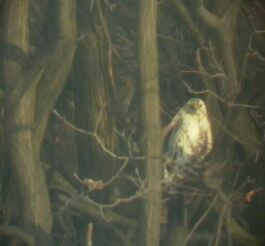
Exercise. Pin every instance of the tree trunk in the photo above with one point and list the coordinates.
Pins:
(94, 111)
(31, 91)
(148, 60)
(30, 180)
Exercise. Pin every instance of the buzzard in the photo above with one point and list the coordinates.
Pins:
(190, 140)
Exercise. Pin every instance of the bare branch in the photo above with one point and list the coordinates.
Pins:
(189, 236)
(15, 232)
(184, 13)
(210, 19)
(102, 215)
(56, 72)
(97, 138)
(231, 104)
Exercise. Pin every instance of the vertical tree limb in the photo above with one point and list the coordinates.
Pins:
(25, 113)
(58, 66)
(30, 180)
(148, 60)
(225, 27)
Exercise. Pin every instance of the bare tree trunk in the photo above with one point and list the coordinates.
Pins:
(31, 91)
(94, 111)
(148, 60)
(36, 215)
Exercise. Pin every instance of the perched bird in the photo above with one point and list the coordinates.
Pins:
(190, 140)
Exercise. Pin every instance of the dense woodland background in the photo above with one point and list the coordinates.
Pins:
(86, 89)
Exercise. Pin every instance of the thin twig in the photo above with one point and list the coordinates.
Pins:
(200, 221)
(219, 98)
(124, 165)
(97, 138)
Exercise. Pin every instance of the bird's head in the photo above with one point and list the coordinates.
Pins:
(194, 105)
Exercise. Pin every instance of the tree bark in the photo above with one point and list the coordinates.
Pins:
(33, 192)
(31, 91)
(148, 61)
(225, 27)
(94, 106)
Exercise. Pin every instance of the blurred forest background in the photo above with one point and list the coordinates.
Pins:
(86, 89)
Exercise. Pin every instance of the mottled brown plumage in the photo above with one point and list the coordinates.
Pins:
(191, 140)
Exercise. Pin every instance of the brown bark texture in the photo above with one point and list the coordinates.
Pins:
(148, 64)
(28, 106)
(87, 89)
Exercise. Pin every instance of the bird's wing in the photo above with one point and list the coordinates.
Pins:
(172, 124)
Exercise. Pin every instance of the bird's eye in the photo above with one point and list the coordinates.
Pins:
(192, 108)
(199, 104)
